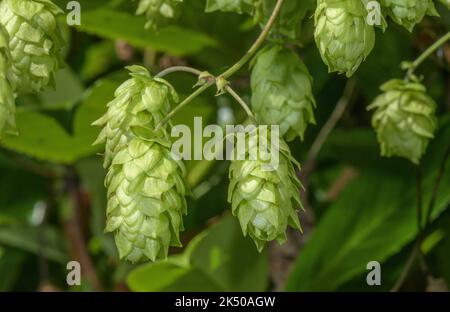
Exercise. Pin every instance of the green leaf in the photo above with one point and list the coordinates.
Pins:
(26, 238)
(42, 137)
(220, 259)
(11, 261)
(112, 24)
(372, 220)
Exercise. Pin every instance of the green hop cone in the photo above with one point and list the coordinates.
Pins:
(146, 188)
(35, 42)
(264, 200)
(446, 3)
(140, 101)
(408, 13)
(404, 119)
(7, 105)
(237, 6)
(281, 91)
(342, 34)
(158, 12)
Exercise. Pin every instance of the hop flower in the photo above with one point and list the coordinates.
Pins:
(146, 188)
(404, 119)
(343, 36)
(35, 42)
(264, 200)
(140, 101)
(158, 12)
(7, 106)
(236, 6)
(409, 12)
(446, 3)
(281, 91)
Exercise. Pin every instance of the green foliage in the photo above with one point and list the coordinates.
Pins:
(218, 259)
(379, 204)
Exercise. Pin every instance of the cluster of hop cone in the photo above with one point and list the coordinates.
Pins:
(147, 187)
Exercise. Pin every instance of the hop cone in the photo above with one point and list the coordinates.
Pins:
(264, 201)
(7, 107)
(146, 200)
(236, 6)
(342, 34)
(446, 3)
(35, 42)
(404, 119)
(409, 12)
(158, 12)
(281, 91)
(140, 101)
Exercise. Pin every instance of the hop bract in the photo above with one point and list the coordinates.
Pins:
(264, 201)
(409, 12)
(7, 106)
(140, 101)
(35, 42)
(282, 91)
(342, 34)
(404, 119)
(146, 189)
(158, 12)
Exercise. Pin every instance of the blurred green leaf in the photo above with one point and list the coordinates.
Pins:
(372, 220)
(11, 261)
(26, 238)
(221, 259)
(109, 23)
(42, 137)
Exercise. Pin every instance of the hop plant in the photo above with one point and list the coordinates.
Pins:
(35, 42)
(158, 12)
(146, 189)
(343, 36)
(264, 201)
(281, 91)
(7, 107)
(409, 12)
(404, 119)
(140, 101)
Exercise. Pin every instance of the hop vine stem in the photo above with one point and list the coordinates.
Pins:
(426, 54)
(228, 73)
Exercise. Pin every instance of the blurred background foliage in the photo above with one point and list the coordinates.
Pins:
(360, 207)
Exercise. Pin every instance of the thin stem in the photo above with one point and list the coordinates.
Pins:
(174, 69)
(254, 48)
(332, 121)
(409, 264)
(427, 53)
(257, 44)
(240, 101)
(183, 104)
(437, 185)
